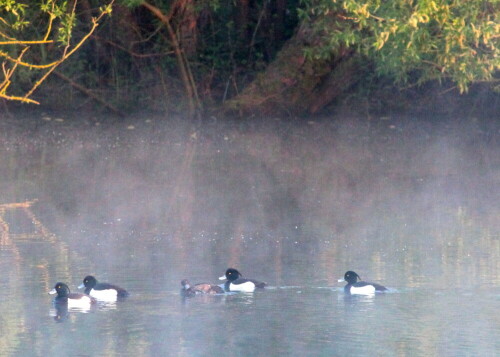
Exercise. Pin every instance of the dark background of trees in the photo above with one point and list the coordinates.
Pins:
(129, 64)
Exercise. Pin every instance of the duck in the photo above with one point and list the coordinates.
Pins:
(189, 290)
(235, 282)
(102, 291)
(355, 287)
(71, 300)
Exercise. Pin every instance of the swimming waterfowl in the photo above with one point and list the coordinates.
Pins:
(198, 289)
(66, 297)
(355, 287)
(102, 291)
(235, 282)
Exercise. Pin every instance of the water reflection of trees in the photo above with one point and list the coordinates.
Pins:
(293, 205)
(21, 232)
(338, 194)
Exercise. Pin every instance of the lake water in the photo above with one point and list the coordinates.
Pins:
(412, 203)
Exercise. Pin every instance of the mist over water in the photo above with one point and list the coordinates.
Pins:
(411, 203)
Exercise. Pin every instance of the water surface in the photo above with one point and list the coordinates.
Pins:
(409, 203)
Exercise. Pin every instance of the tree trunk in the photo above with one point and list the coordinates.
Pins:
(279, 20)
(292, 84)
(186, 75)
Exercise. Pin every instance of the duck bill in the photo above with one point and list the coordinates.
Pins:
(81, 286)
(222, 277)
(341, 280)
(52, 292)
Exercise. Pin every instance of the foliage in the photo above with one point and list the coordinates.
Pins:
(413, 40)
(36, 37)
(132, 3)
